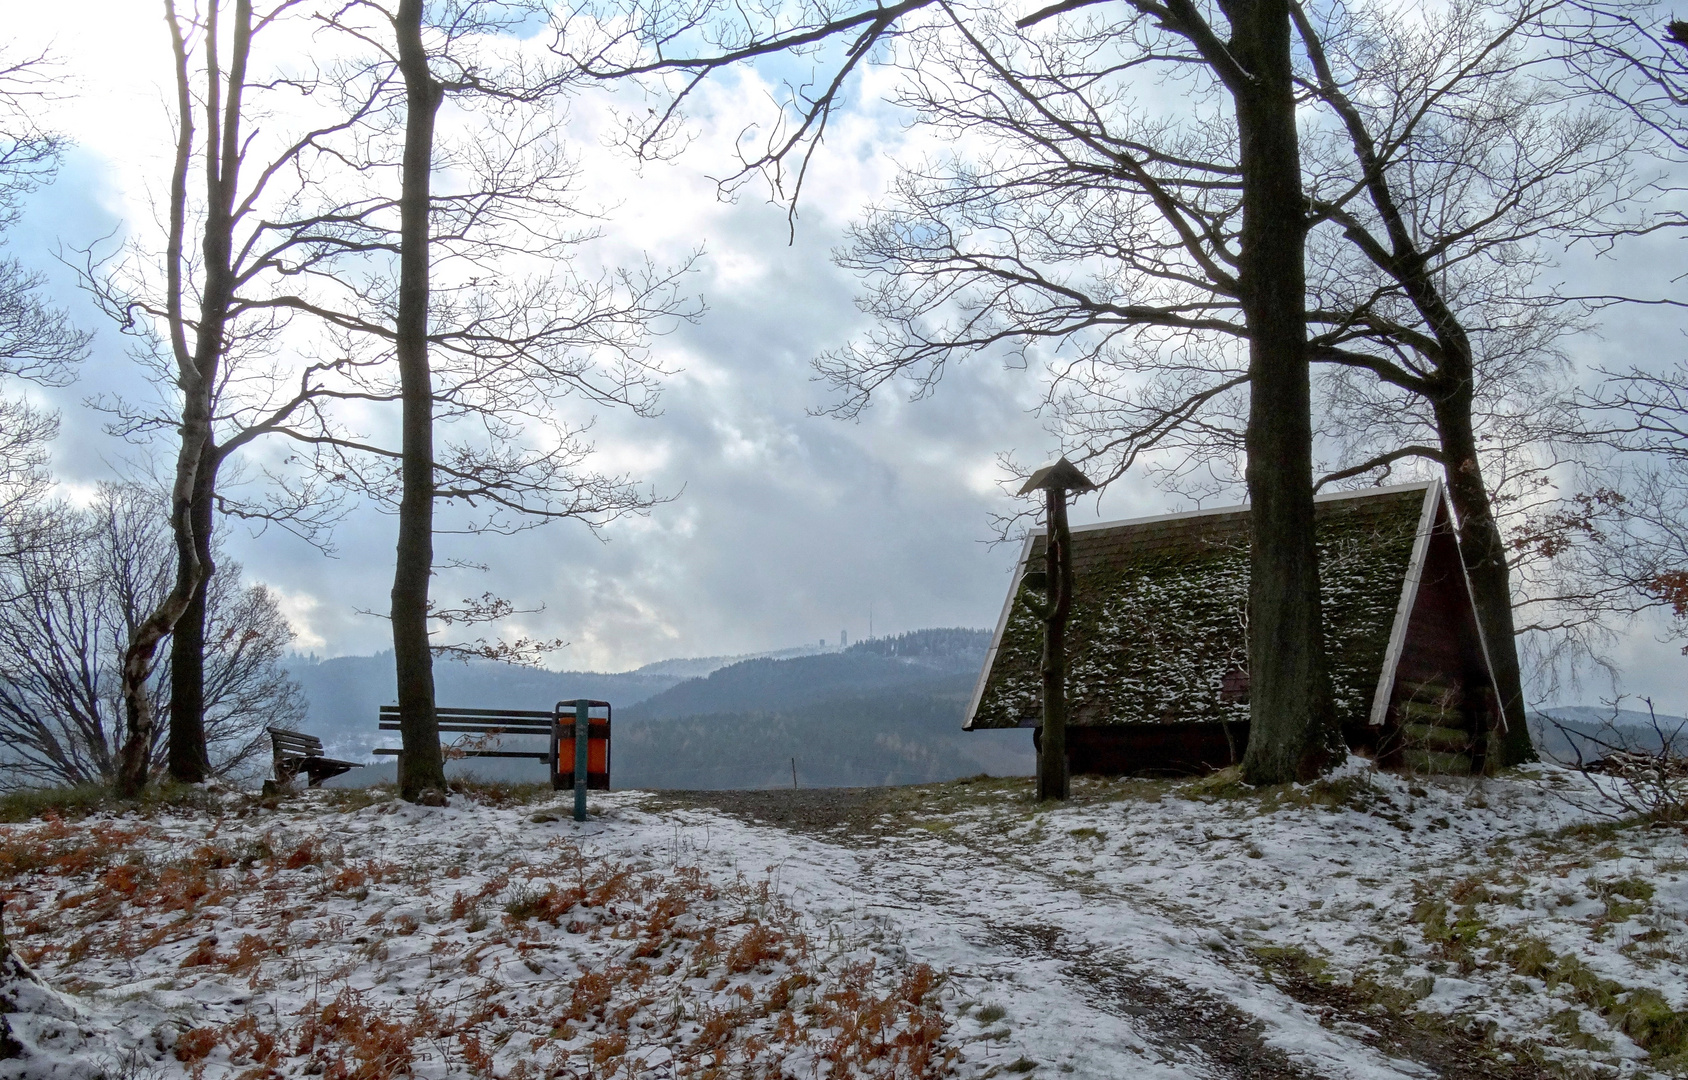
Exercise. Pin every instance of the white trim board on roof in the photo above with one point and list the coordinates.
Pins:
(996, 638)
(1409, 600)
(1243, 508)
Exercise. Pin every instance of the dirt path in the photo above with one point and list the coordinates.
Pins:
(1183, 1023)
(1236, 1018)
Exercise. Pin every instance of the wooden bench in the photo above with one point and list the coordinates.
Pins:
(480, 731)
(294, 752)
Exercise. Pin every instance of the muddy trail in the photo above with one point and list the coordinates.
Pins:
(1183, 1023)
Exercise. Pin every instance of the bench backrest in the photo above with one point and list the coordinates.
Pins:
(290, 743)
(512, 721)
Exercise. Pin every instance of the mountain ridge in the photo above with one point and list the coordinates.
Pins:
(761, 684)
(719, 729)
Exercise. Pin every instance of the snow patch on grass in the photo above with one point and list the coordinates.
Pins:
(1365, 926)
(393, 940)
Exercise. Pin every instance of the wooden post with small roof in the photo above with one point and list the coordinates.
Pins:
(1055, 481)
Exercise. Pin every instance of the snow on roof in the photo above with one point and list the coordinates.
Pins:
(1160, 612)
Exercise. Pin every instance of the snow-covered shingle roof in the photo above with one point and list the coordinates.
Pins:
(1159, 612)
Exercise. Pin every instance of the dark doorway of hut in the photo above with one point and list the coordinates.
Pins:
(1155, 640)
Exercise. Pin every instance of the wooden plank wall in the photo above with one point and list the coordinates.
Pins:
(1442, 682)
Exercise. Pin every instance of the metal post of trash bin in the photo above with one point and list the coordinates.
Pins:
(581, 734)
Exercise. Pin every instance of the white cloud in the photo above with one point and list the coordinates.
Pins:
(790, 526)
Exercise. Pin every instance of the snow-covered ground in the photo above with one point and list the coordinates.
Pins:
(1368, 926)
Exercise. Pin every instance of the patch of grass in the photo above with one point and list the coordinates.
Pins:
(350, 800)
(499, 794)
(27, 804)
(525, 902)
(75, 803)
(1473, 889)
(910, 806)
(1532, 958)
(1567, 1024)
(1646, 1017)
(1087, 833)
(1642, 1013)
(1344, 792)
(990, 1013)
(1224, 784)
(1296, 958)
(1298, 968)
(1588, 833)
(1624, 898)
(1454, 933)
(1586, 985)
(1432, 915)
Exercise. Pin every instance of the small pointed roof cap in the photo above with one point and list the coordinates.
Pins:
(1061, 476)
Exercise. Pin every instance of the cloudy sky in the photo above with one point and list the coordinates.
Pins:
(787, 526)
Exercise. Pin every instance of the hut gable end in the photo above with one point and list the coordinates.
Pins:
(1160, 614)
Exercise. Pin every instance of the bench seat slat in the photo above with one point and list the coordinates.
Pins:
(509, 729)
(535, 754)
(513, 714)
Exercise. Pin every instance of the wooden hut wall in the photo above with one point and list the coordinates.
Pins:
(1179, 749)
(1442, 679)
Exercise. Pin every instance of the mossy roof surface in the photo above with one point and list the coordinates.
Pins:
(1160, 615)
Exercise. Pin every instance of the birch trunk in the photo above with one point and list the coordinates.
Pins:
(196, 366)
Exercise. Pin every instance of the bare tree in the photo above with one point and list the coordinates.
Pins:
(1625, 538)
(37, 343)
(1442, 158)
(1482, 158)
(194, 364)
(209, 325)
(71, 606)
(1203, 220)
(485, 358)
(1240, 54)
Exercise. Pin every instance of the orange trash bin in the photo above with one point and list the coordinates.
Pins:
(597, 746)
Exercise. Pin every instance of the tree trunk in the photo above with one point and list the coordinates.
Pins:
(1483, 551)
(189, 762)
(196, 369)
(420, 766)
(135, 757)
(1052, 778)
(1293, 733)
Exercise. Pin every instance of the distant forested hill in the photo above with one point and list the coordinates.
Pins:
(345, 693)
(885, 711)
(909, 661)
(1561, 734)
(904, 736)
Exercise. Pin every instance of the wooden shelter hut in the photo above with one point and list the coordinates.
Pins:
(1157, 677)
